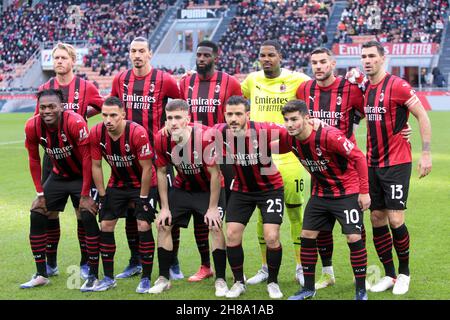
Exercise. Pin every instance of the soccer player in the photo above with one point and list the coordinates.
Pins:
(388, 101)
(206, 93)
(337, 102)
(257, 183)
(197, 190)
(126, 147)
(268, 91)
(65, 137)
(340, 189)
(144, 92)
(82, 97)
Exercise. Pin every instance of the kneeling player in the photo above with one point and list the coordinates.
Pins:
(340, 190)
(125, 146)
(257, 183)
(197, 189)
(65, 138)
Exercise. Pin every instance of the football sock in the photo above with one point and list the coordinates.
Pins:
(131, 229)
(92, 240)
(220, 262)
(38, 241)
(274, 256)
(146, 251)
(201, 233)
(383, 244)
(108, 250)
(165, 258)
(308, 255)
(53, 236)
(401, 244)
(325, 247)
(358, 259)
(236, 260)
(82, 241)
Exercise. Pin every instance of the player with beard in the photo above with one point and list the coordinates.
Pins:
(144, 92)
(338, 103)
(64, 135)
(206, 93)
(268, 91)
(388, 100)
(82, 97)
(340, 189)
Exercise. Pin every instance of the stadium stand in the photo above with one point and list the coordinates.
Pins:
(300, 25)
(106, 27)
(407, 21)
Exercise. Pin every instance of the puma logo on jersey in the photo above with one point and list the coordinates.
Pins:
(258, 87)
(45, 139)
(311, 98)
(359, 228)
(191, 88)
(404, 205)
(103, 145)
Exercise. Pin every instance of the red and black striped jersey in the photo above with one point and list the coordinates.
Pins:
(190, 159)
(79, 94)
(123, 154)
(207, 98)
(251, 156)
(339, 105)
(337, 167)
(144, 98)
(67, 146)
(386, 109)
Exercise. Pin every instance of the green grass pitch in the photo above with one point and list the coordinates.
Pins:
(428, 220)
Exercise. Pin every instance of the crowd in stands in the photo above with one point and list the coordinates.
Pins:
(299, 26)
(107, 27)
(407, 21)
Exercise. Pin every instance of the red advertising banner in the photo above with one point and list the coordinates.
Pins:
(393, 49)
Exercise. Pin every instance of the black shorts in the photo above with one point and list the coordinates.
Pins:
(184, 203)
(47, 167)
(321, 214)
(389, 187)
(228, 175)
(57, 190)
(241, 206)
(118, 200)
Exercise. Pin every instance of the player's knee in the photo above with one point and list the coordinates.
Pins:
(351, 238)
(233, 236)
(272, 238)
(396, 221)
(309, 234)
(52, 215)
(143, 225)
(108, 225)
(378, 219)
(38, 219)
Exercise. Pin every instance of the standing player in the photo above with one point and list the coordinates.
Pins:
(82, 97)
(387, 103)
(197, 190)
(64, 136)
(268, 91)
(126, 147)
(206, 93)
(257, 183)
(144, 92)
(340, 189)
(338, 103)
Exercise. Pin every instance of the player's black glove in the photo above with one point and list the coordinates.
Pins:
(145, 210)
